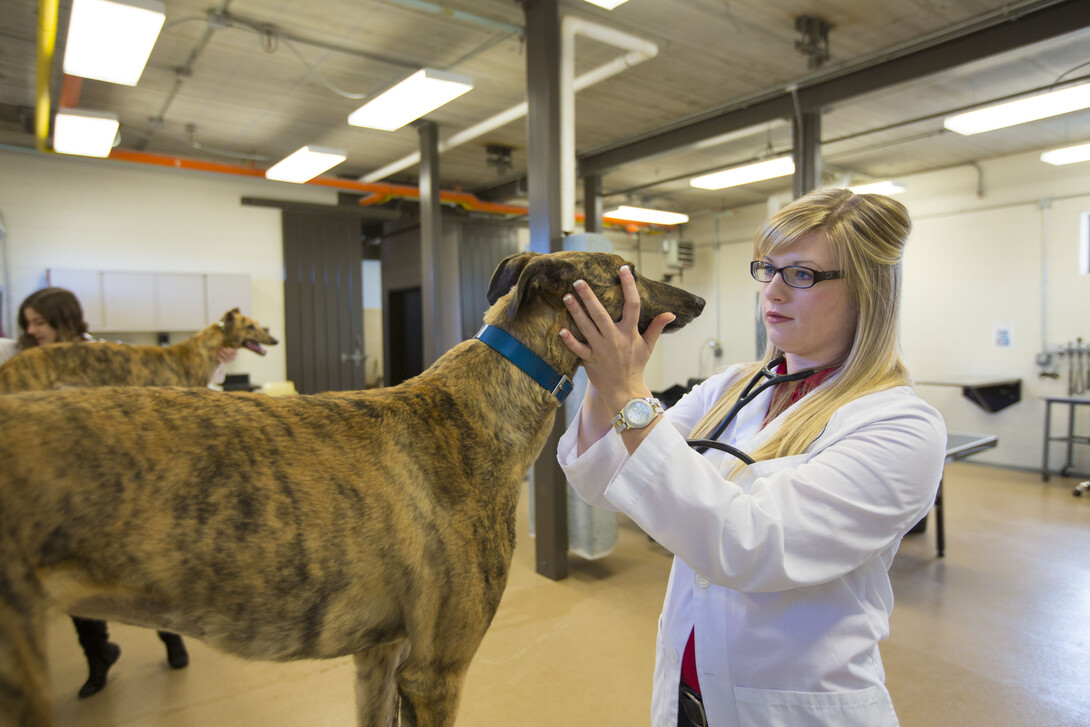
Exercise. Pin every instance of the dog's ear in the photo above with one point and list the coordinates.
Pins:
(230, 314)
(546, 278)
(506, 274)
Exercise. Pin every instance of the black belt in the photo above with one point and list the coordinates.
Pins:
(692, 707)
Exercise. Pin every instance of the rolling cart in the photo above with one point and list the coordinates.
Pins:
(1070, 438)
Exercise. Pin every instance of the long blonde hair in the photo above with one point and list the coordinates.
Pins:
(867, 234)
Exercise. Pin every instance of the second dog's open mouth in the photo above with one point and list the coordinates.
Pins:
(255, 347)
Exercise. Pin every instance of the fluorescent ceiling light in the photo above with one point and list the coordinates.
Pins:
(110, 40)
(779, 167)
(420, 93)
(304, 164)
(87, 133)
(1067, 155)
(638, 214)
(887, 187)
(1042, 106)
(607, 4)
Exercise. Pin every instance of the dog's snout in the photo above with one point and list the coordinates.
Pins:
(699, 302)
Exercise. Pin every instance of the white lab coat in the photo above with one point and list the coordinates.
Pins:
(783, 571)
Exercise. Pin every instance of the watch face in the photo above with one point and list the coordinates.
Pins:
(638, 413)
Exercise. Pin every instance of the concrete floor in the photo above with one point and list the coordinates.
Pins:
(993, 634)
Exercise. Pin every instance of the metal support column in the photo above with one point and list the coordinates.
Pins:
(431, 230)
(592, 203)
(546, 235)
(806, 149)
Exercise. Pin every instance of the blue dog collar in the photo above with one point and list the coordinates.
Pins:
(558, 385)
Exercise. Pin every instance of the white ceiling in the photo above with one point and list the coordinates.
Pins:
(252, 86)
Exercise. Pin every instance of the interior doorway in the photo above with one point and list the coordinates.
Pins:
(406, 321)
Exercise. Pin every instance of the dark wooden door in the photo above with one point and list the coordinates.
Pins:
(323, 301)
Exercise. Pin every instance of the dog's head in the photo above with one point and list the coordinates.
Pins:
(244, 332)
(538, 277)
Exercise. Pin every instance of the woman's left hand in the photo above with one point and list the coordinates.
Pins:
(226, 354)
(615, 353)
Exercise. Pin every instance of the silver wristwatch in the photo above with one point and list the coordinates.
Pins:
(637, 414)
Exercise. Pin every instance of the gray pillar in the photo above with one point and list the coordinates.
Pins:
(431, 230)
(546, 235)
(592, 203)
(806, 149)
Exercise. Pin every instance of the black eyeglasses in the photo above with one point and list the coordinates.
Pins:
(794, 275)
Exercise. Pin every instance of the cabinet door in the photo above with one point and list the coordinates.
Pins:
(86, 285)
(179, 302)
(128, 301)
(226, 291)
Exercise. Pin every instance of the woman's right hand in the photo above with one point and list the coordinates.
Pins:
(614, 357)
(615, 353)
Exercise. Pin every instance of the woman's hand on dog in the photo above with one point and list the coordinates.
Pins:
(615, 353)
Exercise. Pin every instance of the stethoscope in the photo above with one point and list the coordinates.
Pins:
(748, 394)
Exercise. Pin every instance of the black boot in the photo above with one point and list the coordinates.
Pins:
(177, 656)
(100, 653)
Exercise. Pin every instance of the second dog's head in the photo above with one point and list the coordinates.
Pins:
(537, 277)
(244, 332)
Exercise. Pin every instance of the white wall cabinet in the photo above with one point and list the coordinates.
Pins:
(123, 301)
(180, 302)
(128, 301)
(86, 285)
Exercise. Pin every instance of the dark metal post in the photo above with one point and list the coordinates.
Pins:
(592, 203)
(806, 145)
(431, 231)
(546, 235)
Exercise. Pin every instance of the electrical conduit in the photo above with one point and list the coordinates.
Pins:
(47, 43)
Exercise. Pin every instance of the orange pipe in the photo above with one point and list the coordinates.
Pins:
(378, 192)
(162, 160)
(70, 92)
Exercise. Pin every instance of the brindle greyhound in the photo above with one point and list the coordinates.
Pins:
(189, 363)
(379, 524)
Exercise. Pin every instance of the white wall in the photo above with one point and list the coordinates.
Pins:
(91, 214)
(972, 263)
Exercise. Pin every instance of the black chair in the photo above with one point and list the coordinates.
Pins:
(238, 382)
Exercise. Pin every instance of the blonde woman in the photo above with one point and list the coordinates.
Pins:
(779, 593)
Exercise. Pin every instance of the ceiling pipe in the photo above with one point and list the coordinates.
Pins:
(383, 191)
(47, 43)
(70, 91)
(639, 50)
(378, 192)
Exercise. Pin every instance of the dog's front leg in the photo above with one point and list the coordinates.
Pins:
(376, 684)
(430, 694)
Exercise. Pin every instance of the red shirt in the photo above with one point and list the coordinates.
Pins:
(783, 396)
